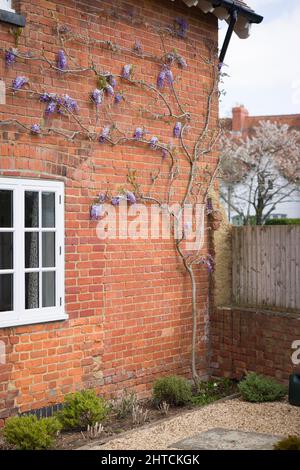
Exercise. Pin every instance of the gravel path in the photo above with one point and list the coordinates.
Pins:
(271, 418)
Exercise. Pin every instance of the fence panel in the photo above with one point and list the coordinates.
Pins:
(266, 265)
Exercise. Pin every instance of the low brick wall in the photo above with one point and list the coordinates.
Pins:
(253, 340)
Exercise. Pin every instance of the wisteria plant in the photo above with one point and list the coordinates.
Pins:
(182, 148)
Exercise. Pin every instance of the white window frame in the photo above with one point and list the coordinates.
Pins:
(6, 5)
(21, 316)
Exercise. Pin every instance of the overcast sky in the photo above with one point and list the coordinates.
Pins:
(265, 68)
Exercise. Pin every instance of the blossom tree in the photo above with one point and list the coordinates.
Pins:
(260, 171)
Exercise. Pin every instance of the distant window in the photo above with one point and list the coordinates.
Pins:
(6, 5)
(278, 216)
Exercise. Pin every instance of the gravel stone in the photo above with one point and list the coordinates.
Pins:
(278, 418)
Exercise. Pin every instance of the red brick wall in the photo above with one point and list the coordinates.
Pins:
(252, 340)
(128, 302)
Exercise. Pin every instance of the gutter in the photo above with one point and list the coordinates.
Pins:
(235, 10)
(251, 16)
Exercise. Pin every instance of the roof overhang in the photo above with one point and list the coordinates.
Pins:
(223, 10)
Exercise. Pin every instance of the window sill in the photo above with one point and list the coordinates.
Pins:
(12, 18)
(32, 320)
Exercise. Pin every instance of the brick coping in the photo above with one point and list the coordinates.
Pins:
(257, 310)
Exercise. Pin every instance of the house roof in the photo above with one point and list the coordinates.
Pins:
(221, 9)
(243, 124)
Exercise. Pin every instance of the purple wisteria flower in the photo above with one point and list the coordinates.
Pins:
(138, 47)
(46, 97)
(209, 205)
(19, 82)
(112, 81)
(210, 266)
(181, 62)
(104, 134)
(169, 76)
(127, 70)
(109, 90)
(153, 142)
(138, 133)
(116, 200)
(165, 75)
(35, 129)
(70, 104)
(97, 96)
(96, 211)
(130, 197)
(64, 29)
(118, 98)
(181, 27)
(209, 262)
(161, 79)
(10, 57)
(164, 154)
(102, 197)
(61, 60)
(51, 108)
(177, 129)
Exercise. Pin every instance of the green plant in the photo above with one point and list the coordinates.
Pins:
(283, 222)
(82, 409)
(139, 415)
(290, 443)
(124, 405)
(208, 391)
(31, 433)
(173, 390)
(258, 388)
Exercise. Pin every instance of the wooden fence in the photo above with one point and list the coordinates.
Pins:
(266, 266)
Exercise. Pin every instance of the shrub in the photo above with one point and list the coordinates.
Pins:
(31, 433)
(124, 405)
(283, 222)
(211, 390)
(290, 443)
(258, 388)
(82, 409)
(173, 390)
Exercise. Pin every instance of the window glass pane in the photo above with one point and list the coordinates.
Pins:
(6, 250)
(6, 208)
(48, 285)
(31, 250)
(31, 290)
(48, 253)
(31, 209)
(48, 209)
(6, 292)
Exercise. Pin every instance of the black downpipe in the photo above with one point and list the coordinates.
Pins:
(233, 20)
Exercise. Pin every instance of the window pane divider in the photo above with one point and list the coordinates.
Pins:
(19, 251)
(37, 270)
(39, 229)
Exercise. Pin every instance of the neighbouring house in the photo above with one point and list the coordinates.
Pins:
(78, 311)
(241, 124)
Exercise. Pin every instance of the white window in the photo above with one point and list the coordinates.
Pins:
(31, 251)
(6, 5)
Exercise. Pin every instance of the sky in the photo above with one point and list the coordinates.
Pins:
(264, 70)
